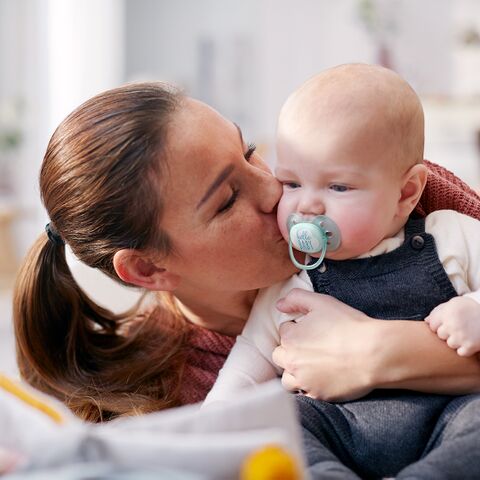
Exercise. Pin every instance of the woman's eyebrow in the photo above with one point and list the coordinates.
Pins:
(221, 177)
(239, 132)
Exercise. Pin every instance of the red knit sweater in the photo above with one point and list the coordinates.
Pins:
(208, 350)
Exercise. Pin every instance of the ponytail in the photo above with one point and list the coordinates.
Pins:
(99, 364)
(101, 181)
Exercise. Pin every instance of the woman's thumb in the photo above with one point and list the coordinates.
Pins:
(296, 301)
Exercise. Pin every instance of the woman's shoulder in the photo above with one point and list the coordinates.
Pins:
(208, 341)
(444, 190)
(206, 352)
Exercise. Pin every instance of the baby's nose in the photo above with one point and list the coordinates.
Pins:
(311, 205)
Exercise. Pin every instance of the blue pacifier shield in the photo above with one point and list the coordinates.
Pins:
(308, 233)
(306, 237)
(312, 235)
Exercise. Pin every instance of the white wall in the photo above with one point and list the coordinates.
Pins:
(55, 54)
(86, 44)
(85, 52)
(242, 57)
(254, 52)
(258, 51)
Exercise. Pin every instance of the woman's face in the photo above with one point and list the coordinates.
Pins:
(220, 206)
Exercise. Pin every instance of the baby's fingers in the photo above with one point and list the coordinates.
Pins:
(466, 350)
(462, 351)
(434, 321)
(442, 332)
(454, 342)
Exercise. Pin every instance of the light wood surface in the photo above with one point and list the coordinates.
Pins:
(8, 260)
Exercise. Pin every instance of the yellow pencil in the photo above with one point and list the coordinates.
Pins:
(28, 398)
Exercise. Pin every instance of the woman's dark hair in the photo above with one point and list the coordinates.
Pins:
(100, 183)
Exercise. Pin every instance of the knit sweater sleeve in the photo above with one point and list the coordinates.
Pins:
(446, 191)
(205, 356)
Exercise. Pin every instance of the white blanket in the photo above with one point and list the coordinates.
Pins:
(211, 443)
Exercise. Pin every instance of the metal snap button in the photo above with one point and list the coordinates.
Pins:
(322, 268)
(417, 242)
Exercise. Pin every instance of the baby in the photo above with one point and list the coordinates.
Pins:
(350, 159)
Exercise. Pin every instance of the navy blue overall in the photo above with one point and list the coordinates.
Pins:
(392, 432)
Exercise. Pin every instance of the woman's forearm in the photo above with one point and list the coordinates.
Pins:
(406, 354)
(337, 353)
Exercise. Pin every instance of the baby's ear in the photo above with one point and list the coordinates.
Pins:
(413, 183)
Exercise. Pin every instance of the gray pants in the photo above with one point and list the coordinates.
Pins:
(372, 439)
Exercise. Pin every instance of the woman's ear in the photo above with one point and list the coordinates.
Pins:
(413, 183)
(140, 270)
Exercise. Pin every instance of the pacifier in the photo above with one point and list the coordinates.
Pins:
(312, 235)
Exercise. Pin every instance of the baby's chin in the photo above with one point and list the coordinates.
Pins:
(336, 255)
(330, 255)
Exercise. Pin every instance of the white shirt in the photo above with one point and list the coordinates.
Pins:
(250, 360)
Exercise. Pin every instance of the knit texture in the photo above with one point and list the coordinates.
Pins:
(207, 350)
(446, 191)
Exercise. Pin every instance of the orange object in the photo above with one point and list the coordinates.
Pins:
(270, 463)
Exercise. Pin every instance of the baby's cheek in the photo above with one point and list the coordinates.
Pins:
(359, 233)
(284, 209)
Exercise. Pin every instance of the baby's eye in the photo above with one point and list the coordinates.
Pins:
(339, 188)
(291, 185)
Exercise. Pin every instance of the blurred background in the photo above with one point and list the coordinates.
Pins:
(242, 57)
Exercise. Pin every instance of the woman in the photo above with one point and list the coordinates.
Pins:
(158, 190)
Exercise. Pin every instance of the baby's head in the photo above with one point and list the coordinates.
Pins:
(350, 146)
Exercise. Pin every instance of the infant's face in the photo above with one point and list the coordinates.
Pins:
(341, 173)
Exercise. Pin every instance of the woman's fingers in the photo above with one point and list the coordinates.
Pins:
(324, 354)
(324, 306)
(278, 357)
(301, 301)
(290, 383)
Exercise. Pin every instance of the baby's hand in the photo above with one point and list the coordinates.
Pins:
(458, 322)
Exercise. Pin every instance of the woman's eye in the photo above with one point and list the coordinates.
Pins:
(229, 203)
(339, 188)
(291, 185)
(251, 147)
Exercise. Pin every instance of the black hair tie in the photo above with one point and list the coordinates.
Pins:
(53, 235)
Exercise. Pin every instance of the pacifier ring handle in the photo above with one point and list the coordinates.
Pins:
(304, 266)
(312, 236)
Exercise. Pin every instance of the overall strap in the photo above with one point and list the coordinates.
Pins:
(414, 226)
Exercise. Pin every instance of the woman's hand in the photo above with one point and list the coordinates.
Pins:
(336, 353)
(326, 353)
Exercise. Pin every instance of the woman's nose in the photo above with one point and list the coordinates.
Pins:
(269, 191)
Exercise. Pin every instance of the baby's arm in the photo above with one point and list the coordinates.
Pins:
(245, 367)
(458, 320)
